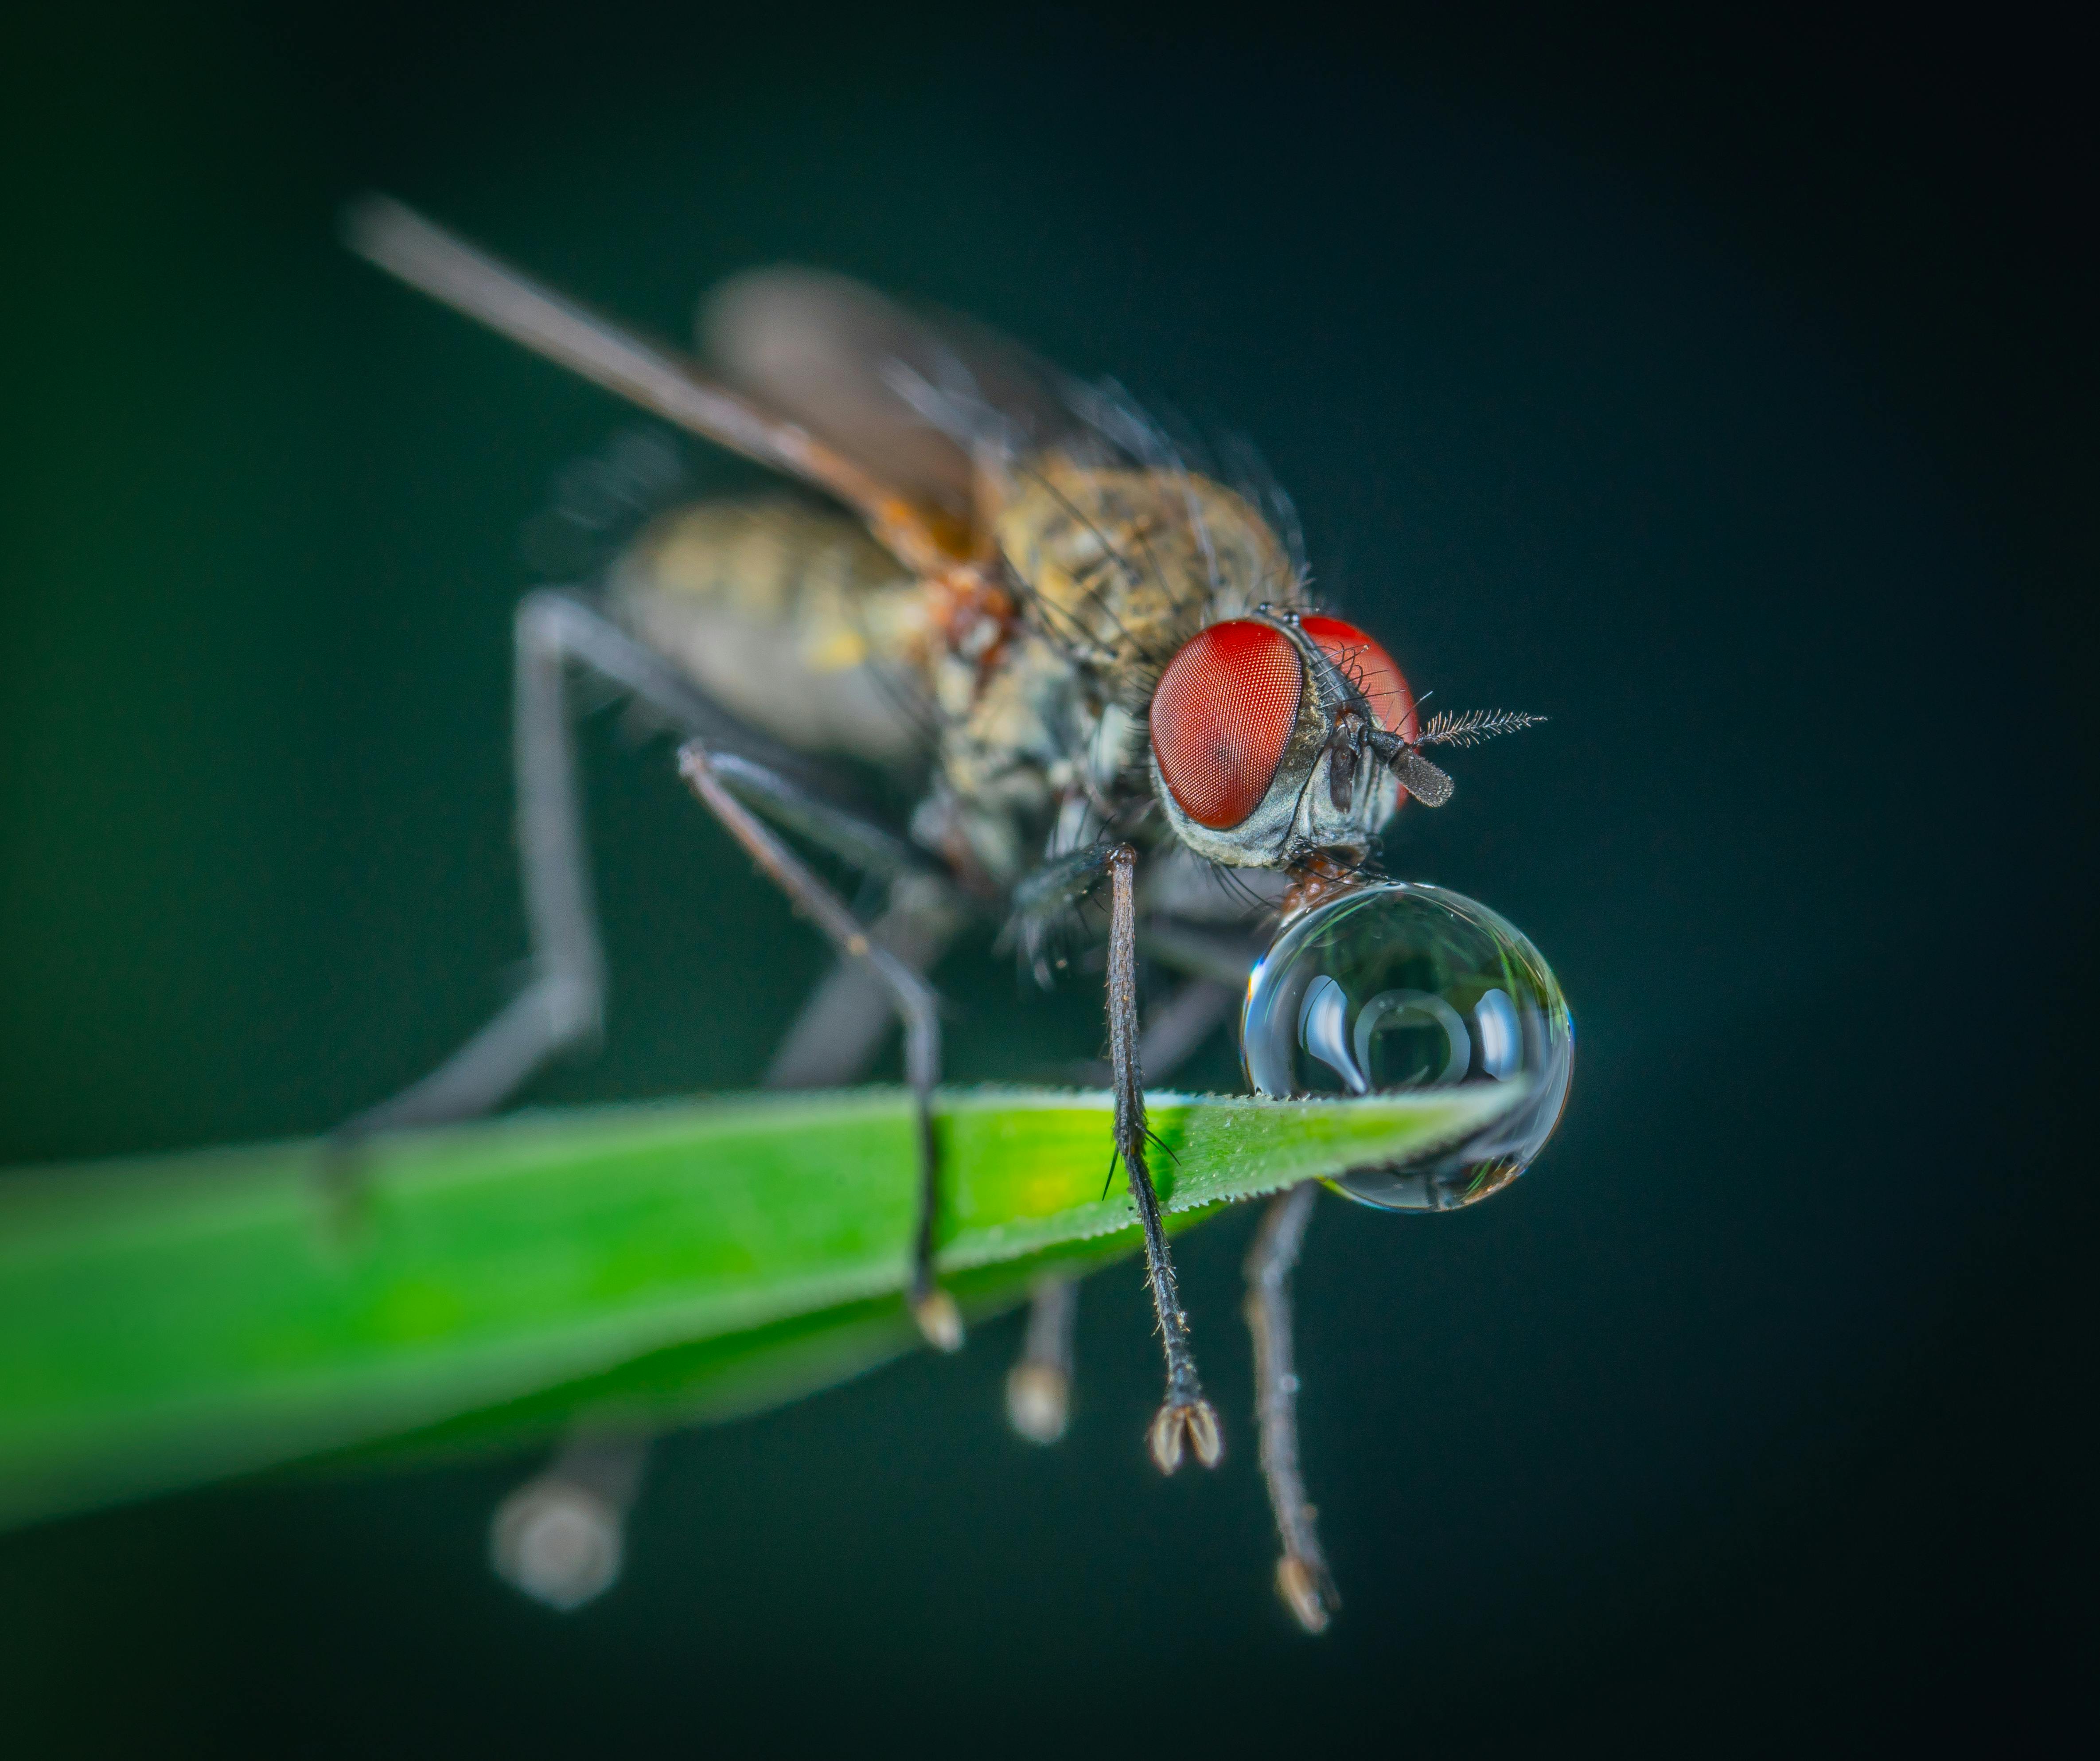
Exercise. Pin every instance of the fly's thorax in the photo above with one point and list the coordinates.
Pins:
(1120, 566)
(1257, 755)
(1033, 734)
(791, 617)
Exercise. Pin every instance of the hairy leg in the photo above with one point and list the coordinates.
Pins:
(1185, 1417)
(1302, 1577)
(1039, 1387)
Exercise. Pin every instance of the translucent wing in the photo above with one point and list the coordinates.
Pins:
(913, 400)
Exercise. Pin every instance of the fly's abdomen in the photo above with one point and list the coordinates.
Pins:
(789, 615)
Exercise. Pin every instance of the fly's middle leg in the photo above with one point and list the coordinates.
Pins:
(843, 1023)
(1302, 1578)
(913, 998)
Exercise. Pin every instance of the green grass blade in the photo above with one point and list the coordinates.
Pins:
(168, 1320)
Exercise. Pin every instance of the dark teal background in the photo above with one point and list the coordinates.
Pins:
(1720, 392)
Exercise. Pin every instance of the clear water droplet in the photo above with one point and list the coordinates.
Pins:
(1401, 986)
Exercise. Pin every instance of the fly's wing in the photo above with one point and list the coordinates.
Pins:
(1052, 476)
(917, 401)
(920, 532)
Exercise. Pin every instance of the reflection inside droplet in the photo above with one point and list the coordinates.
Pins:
(1500, 1041)
(1401, 986)
(1323, 1031)
(1418, 1038)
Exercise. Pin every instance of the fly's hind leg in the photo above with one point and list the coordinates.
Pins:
(563, 1003)
(912, 997)
(559, 1536)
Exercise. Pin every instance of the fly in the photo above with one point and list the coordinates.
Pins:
(1097, 663)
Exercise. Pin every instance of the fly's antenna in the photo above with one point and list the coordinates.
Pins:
(1474, 727)
(1426, 782)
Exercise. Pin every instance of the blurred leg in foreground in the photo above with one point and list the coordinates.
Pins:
(560, 1537)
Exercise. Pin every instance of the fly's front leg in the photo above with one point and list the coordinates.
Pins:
(1039, 1387)
(1302, 1578)
(1185, 1417)
(910, 995)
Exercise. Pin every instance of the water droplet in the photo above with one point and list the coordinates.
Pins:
(1401, 986)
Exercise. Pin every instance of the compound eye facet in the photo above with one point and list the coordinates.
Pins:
(1221, 717)
(1369, 668)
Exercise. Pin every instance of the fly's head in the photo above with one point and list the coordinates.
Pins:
(1287, 737)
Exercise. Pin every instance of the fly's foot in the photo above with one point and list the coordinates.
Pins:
(1306, 1591)
(558, 1543)
(1038, 1401)
(939, 1319)
(1195, 1421)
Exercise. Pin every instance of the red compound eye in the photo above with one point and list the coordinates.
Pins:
(1221, 717)
(1369, 668)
